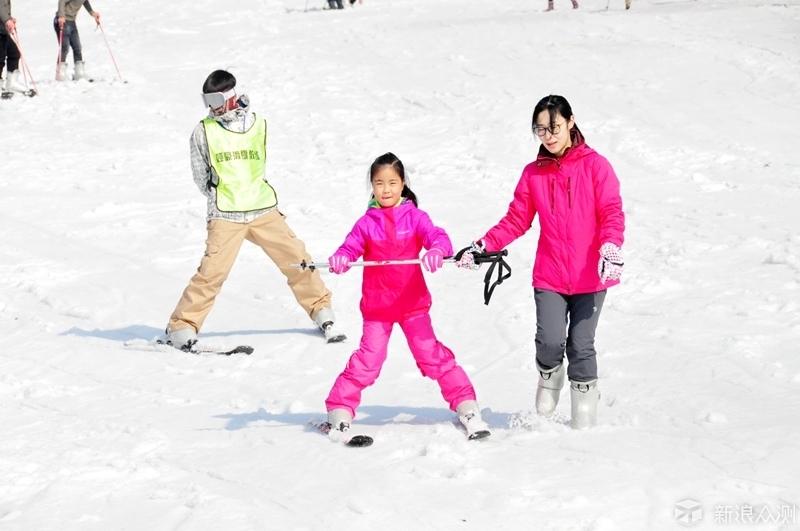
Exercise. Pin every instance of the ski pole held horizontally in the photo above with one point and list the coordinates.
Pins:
(325, 265)
(495, 259)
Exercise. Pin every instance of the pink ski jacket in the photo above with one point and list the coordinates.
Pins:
(579, 206)
(394, 293)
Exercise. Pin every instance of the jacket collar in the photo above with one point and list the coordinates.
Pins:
(578, 143)
(373, 203)
(233, 120)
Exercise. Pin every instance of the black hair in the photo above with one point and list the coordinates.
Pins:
(555, 105)
(390, 159)
(219, 81)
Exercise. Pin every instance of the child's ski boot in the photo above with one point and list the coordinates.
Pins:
(470, 416)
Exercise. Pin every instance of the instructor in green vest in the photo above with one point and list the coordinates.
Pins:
(228, 154)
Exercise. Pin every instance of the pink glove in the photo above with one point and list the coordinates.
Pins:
(433, 259)
(339, 264)
(611, 263)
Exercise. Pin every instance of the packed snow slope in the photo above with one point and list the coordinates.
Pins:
(695, 103)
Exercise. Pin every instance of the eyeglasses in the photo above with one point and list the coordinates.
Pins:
(215, 100)
(554, 129)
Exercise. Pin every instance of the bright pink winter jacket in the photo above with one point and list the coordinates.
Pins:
(394, 293)
(577, 198)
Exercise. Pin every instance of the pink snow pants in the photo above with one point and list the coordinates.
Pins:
(434, 360)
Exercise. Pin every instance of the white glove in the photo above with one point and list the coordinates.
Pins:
(611, 264)
(467, 261)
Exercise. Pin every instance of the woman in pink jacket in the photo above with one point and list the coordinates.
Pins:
(393, 228)
(576, 194)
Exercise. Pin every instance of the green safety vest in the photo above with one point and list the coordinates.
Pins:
(239, 161)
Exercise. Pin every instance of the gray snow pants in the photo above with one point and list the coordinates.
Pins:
(567, 323)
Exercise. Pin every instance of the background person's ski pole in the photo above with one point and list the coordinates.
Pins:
(366, 263)
(15, 38)
(58, 61)
(109, 52)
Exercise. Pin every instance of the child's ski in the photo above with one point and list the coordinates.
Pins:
(476, 435)
(358, 441)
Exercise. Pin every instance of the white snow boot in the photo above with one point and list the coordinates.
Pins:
(470, 416)
(547, 394)
(182, 339)
(340, 420)
(80, 71)
(585, 396)
(13, 84)
(61, 72)
(327, 323)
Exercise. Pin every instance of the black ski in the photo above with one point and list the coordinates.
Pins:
(357, 441)
(7, 95)
(194, 348)
(476, 436)
(241, 349)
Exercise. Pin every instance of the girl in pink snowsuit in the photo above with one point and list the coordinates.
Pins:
(393, 228)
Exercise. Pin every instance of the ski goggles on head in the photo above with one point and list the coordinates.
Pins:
(215, 100)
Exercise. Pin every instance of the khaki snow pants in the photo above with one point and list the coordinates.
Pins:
(273, 235)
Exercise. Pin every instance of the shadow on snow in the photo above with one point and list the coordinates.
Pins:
(367, 416)
(148, 332)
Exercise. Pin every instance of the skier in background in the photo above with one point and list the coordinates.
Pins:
(228, 152)
(550, 5)
(576, 194)
(9, 53)
(67, 33)
(393, 228)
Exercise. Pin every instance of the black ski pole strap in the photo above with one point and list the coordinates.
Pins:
(503, 271)
(460, 253)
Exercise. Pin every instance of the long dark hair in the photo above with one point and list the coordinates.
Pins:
(390, 159)
(554, 105)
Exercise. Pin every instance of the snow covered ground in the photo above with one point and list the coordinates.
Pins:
(696, 105)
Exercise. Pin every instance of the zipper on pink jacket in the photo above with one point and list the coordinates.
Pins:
(569, 191)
